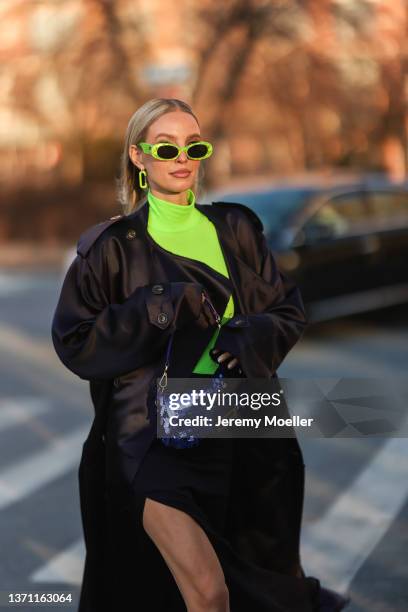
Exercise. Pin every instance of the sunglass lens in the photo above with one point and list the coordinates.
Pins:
(167, 151)
(197, 151)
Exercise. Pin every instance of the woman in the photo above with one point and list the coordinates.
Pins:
(213, 526)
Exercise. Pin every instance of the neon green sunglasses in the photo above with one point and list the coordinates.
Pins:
(168, 150)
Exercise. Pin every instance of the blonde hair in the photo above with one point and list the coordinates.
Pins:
(130, 195)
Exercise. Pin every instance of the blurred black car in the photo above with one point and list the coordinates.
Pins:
(345, 246)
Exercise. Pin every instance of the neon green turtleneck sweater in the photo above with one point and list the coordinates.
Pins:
(184, 230)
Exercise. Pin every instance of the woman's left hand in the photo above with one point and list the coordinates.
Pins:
(220, 357)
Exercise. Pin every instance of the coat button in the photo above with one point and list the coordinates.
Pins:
(162, 318)
(157, 289)
(130, 234)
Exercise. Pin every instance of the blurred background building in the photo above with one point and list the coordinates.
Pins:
(280, 88)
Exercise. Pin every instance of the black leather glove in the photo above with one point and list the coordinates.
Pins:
(234, 372)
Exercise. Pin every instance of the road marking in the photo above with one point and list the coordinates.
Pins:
(61, 455)
(18, 410)
(14, 283)
(312, 359)
(38, 363)
(15, 342)
(336, 546)
(66, 567)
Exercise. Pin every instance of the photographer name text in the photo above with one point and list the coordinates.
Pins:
(266, 421)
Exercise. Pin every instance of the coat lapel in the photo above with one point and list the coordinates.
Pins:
(226, 241)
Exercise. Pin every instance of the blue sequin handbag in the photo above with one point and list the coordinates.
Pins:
(182, 438)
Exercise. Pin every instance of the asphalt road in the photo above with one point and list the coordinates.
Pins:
(355, 528)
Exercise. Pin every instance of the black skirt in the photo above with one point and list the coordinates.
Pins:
(197, 480)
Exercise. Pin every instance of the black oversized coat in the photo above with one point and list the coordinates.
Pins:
(107, 330)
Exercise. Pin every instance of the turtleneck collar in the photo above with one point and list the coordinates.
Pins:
(167, 216)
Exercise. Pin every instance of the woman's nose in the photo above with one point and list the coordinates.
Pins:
(182, 157)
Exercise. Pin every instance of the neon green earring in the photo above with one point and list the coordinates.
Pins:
(142, 179)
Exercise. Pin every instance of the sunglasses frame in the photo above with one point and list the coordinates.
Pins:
(152, 149)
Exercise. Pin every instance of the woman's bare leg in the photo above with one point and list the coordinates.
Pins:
(189, 555)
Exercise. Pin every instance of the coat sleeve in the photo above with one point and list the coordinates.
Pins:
(96, 339)
(261, 340)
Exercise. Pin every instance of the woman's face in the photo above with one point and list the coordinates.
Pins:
(176, 127)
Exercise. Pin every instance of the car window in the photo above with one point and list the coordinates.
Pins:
(274, 206)
(341, 215)
(389, 209)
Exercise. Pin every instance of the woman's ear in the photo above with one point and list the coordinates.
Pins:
(134, 155)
